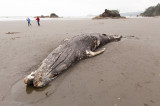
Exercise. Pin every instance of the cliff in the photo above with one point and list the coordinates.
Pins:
(53, 15)
(152, 11)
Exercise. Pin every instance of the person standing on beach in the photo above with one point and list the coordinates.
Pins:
(38, 20)
(29, 21)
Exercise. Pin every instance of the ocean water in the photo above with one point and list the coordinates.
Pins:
(23, 18)
(14, 18)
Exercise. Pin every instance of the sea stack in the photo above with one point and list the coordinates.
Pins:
(53, 15)
(114, 14)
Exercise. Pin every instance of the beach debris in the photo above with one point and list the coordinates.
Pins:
(2, 98)
(12, 32)
(131, 36)
(146, 104)
(49, 92)
(151, 101)
(101, 80)
(118, 98)
(15, 38)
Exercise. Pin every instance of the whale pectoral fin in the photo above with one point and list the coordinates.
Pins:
(61, 68)
(91, 53)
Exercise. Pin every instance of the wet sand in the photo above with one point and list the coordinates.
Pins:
(126, 74)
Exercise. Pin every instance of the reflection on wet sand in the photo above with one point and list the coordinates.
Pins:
(27, 93)
(30, 89)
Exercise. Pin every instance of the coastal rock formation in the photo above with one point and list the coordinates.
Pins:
(109, 14)
(53, 15)
(42, 16)
(152, 11)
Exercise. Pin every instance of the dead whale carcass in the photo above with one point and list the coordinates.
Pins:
(67, 53)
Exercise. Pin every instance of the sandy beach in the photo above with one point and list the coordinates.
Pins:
(126, 74)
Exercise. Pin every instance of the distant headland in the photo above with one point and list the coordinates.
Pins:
(152, 11)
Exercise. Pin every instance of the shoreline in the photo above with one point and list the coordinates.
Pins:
(23, 18)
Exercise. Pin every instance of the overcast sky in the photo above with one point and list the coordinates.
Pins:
(70, 7)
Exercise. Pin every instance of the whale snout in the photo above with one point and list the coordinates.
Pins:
(28, 81)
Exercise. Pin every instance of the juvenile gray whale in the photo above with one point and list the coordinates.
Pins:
(66, 54)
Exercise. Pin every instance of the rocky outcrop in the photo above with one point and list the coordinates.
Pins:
(109, 14)
(53, 15)
(42, 16)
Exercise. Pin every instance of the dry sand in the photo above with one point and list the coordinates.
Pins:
(126, 74)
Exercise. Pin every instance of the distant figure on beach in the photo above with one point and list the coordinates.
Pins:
(38, 20)
(29, 21)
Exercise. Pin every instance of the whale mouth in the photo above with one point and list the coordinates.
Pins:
(29, 79)
(39, 84)
(41, 79)
(36, 81)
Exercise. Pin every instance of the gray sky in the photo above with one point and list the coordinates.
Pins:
(70, 7)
